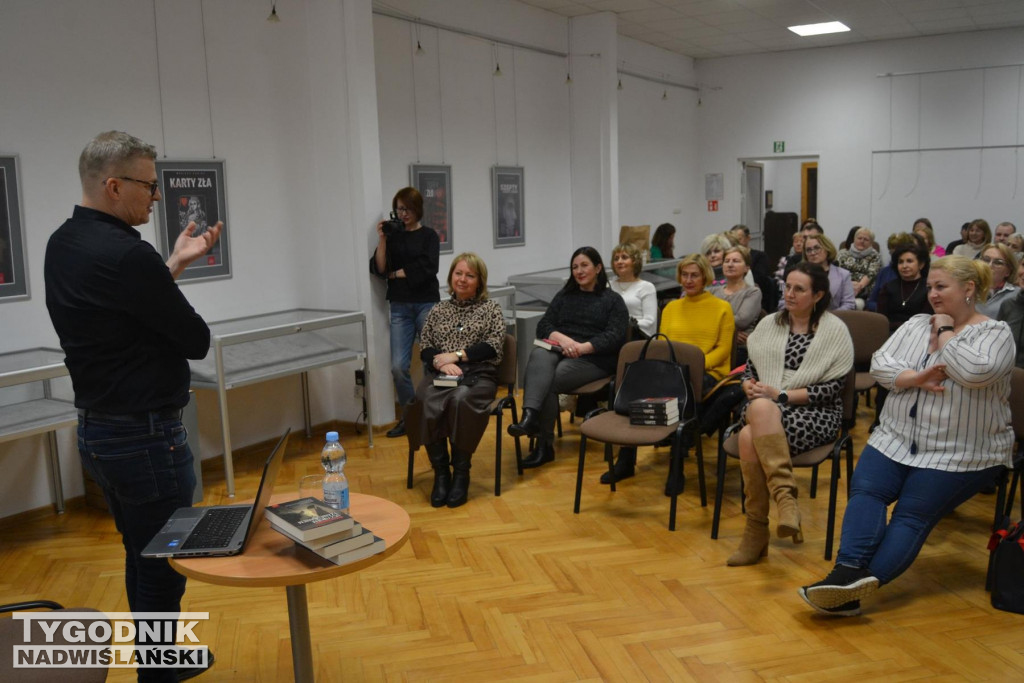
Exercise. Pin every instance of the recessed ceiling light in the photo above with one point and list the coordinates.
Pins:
(819, 29)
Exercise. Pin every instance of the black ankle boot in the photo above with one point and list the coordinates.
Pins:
(544, 452)
(625, 466)
(459, 492)
(438, 454)
(528, 426)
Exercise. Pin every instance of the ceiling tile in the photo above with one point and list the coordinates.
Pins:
(650, 15)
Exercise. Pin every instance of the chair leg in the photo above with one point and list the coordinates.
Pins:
(675, 469)
(700, 469)
(832, 494)
(814, 482)
(849, 467)
(610, 459)
(519, 447)
(719, 491)
(497, 456)
(579, 473)
(408, 478)
(1000, 499)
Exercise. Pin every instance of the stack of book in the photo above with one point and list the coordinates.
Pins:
(316, 526)
(654, 411)
(447, 380)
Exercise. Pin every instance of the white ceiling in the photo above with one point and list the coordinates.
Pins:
(717, 28)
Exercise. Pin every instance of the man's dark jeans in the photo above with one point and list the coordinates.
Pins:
(145, 471)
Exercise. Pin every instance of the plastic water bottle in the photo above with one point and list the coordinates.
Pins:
(333, 458)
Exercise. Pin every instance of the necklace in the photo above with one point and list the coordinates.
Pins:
(619, 285)
(906, 298)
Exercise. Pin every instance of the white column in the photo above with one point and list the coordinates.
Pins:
(595, 124)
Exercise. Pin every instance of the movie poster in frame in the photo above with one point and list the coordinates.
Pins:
(435, 184)
(507, 195)
(193, 191)
(13, 278)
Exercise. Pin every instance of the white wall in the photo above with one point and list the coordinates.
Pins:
(830, 101)
(74, 69)
(658, 167)
(445, 106)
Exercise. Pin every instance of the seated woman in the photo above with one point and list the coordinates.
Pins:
(978, 235)
(1016, 244)
(744, 299)
(923, 227)
(819, 250)
(863, 261)
(640, 297)
(799, 358)
(698, 318)
(1003, 263)
(662, 247)
(588, 321)
(794, 256)
(901, 299)
(462, 336)
(713, 247)
(944, 434)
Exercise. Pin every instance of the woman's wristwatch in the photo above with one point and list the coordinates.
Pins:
(460, 355)
(944, 328)
(783, 398)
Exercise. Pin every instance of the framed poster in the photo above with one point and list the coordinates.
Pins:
(13, 282)
(435, 184)
(193, 192)
(507, 195)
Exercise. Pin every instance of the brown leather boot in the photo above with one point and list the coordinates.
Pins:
(754, 545)
(773, 452)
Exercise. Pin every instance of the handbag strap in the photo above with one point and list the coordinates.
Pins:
(671, 349)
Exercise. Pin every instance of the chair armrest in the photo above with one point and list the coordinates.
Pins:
(592, 413)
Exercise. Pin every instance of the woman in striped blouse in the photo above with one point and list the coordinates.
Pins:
(944, 434)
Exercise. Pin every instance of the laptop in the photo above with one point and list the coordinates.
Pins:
(217, 530)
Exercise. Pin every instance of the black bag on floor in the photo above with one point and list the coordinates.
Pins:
(1006, 569)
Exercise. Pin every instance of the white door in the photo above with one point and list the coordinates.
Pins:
(751, 202)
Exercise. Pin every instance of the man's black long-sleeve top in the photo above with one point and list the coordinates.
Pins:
(125, 327)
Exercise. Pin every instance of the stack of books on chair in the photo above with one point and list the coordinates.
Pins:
(654, 411)
(322, 530)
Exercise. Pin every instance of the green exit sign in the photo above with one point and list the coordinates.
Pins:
(780, 146)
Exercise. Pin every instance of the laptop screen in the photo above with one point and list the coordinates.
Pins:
(266, 489)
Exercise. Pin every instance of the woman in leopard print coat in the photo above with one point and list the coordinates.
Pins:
(463, 336)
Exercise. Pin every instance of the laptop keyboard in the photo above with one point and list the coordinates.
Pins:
(215, 529)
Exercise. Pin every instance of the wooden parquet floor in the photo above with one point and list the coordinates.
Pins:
(518, 587)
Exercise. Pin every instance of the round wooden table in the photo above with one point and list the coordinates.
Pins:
(271, 559)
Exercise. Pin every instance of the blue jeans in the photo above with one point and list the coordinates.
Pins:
(922, 497)
(406, 323)
(145, 472)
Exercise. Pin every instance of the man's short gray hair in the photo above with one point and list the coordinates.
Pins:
(108, 152)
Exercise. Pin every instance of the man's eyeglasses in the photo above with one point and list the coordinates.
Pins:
(993, 261)
(153, 186)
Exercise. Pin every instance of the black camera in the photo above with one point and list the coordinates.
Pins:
(393, 225)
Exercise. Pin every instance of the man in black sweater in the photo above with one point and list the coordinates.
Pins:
(127, 332)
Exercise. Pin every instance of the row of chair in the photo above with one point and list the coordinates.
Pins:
(868, 331)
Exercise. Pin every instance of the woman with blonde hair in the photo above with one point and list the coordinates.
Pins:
(943, 435)
(463, 336)
(923, 227)
(713, 248)
(640, 296)
(819, 250)
(1000, 258)
(744, 299)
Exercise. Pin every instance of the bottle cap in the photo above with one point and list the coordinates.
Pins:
(332, 436)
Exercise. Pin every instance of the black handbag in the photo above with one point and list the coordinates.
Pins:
(650, 378)
(1006, 569)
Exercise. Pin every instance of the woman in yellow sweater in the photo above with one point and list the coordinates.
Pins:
(702, 319)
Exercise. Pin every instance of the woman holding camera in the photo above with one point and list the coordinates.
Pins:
(407, 258)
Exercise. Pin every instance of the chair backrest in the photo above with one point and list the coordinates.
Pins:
(507, 368)
(850, 398)
(686, 354)
(868, 330)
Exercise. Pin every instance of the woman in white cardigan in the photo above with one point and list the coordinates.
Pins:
(799, 359)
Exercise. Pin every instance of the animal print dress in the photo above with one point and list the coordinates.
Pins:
(816, 423)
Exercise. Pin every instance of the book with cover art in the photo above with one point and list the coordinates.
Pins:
(308, 518)
(447, 380)
(332, 550)
(549, 344)
(354, 530)
(650, 420)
